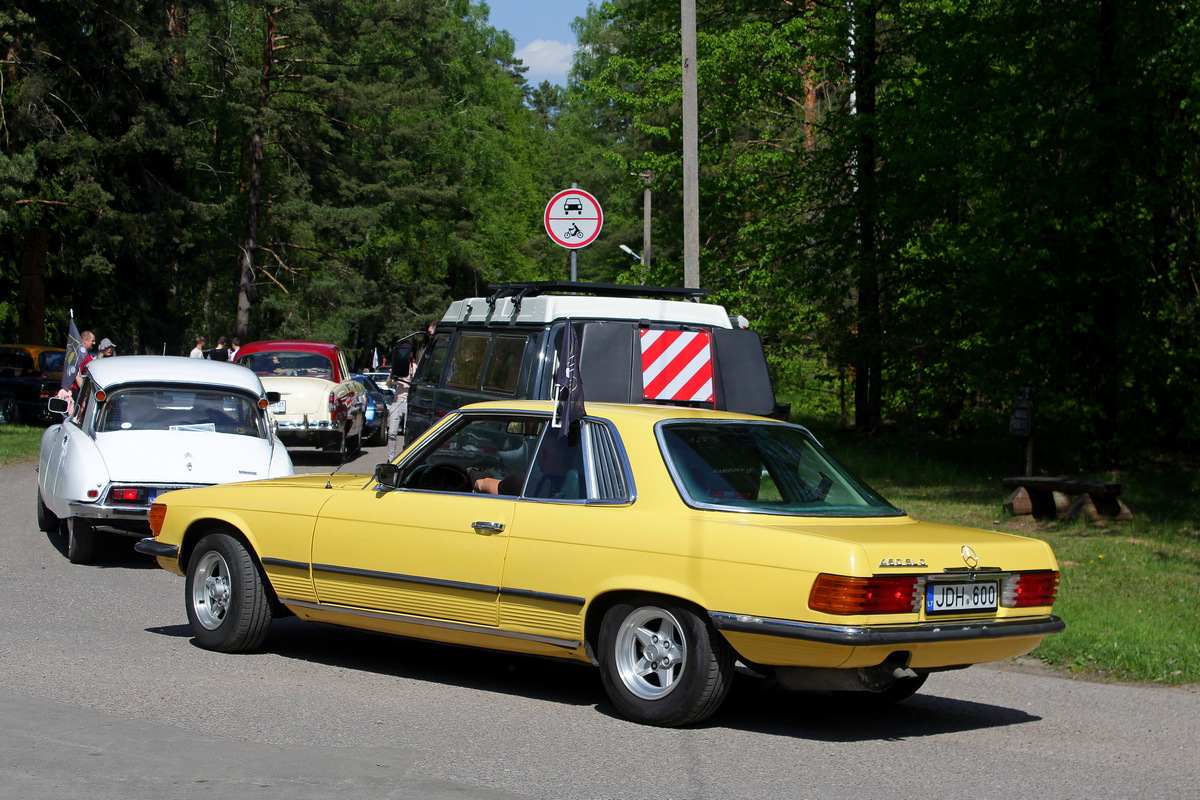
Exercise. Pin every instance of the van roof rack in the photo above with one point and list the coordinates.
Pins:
(519, 291)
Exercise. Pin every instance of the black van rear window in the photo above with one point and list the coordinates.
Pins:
(504, 367)
(466, 364)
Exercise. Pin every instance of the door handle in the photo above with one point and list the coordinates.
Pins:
(488, 528)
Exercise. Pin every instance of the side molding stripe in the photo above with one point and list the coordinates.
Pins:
(279, 562)
(392, 576)
(569, 644)
(551, 598)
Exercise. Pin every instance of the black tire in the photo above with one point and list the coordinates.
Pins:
(379, 437)
(81, 541)
(338, 448)
(10, 412)
(47, 521)
(663, 663)
(227, 603)
(902, 689)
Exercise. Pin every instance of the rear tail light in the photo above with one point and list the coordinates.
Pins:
(332, 403)
(837, 594)
(127, 495)
(158, 513)
(1028, 589)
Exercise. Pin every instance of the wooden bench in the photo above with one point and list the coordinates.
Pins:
(1048, 498)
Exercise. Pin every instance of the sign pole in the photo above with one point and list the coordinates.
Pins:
(574, 253)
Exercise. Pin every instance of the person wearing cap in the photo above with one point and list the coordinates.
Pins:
(107, 348)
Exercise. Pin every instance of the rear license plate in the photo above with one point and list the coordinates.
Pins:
(945, 598)
(278, 408)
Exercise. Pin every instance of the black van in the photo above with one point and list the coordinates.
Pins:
(637, 344)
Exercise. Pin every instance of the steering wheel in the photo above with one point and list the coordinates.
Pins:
(444, 478)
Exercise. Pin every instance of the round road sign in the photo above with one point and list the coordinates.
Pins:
(573, 218)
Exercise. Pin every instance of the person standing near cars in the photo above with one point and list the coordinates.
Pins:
(399, 380)
(220, 352)
(107, 348)
(198, 350)
(86, 340)
(233, 348)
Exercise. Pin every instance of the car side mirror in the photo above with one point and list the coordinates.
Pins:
(387, 474)
(57, 405)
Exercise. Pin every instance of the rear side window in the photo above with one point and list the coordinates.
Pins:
(582, 466)
(466, 364)
(504, 367)
(51, 361)
(14, 364)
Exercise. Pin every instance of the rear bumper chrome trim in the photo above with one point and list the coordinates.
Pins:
(152, 547)
(888, 635)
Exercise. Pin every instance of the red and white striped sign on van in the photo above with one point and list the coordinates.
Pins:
(677, 366)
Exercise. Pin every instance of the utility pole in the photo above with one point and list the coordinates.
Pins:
(691, 166)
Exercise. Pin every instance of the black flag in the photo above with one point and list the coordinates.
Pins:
(74, 357)
(568, 383)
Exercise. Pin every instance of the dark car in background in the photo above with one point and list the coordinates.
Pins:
(29, 376)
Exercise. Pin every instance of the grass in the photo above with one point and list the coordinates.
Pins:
(1128, 590)
(19, 444)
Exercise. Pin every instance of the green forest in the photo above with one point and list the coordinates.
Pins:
(924, 206)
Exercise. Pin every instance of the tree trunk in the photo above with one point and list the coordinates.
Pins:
(868, 367)
(254, 188)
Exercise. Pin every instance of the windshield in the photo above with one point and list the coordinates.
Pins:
(769, 468)
(289, 363)
(181, 409)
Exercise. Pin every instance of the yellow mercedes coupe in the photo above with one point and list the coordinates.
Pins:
(661, 544)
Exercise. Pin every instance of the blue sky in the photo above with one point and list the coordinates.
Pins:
(542, 32)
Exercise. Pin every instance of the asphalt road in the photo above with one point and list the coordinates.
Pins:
(104, 695)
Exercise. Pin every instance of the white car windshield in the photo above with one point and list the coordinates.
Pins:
(182, 408)
(769, 468)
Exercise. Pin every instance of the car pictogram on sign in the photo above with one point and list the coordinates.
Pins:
(573, 204)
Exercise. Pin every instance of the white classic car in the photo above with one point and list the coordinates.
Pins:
(145, 425)
(320, 404)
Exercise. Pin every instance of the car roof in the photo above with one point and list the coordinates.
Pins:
(643, 412)
(33, 349)
(302, 345)
(109, 372)
(541, 310)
